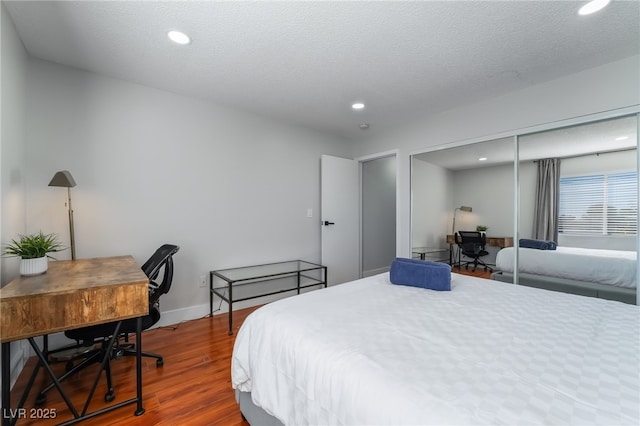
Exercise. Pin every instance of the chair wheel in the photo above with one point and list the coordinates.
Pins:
(485, 269)
(159, 362)
(41, 399)
(109, 396)
(68, 366)
(466, 267)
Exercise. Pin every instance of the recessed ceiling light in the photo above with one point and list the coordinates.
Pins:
(592, 7)
(621, 138)
(482, 159)
(179, 37)
(357, 105)
(363, 126)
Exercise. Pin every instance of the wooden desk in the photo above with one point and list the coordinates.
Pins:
(71, 294)
(501, 242)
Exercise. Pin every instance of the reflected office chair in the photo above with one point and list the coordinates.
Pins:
(97, 337)
(472, 245)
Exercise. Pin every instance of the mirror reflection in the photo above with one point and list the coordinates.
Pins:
(467, 192)
(577, 210)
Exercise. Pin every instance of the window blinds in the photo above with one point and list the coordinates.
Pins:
(602, 204)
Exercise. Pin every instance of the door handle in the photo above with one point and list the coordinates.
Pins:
(327, 223)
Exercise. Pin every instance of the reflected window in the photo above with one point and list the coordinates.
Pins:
(600, 204)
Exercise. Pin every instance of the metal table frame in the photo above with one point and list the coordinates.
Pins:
(260, 273)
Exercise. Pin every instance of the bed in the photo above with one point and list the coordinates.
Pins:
(487, 352)
(607, 274)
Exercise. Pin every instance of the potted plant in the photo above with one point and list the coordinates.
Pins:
(482, 228)
(32, 250)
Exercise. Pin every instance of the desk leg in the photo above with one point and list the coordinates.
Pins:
(56, 382)
(230, 309)
(139, 408)
(210, 294)
(6, 384)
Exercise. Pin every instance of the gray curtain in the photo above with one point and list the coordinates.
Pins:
(545, 216)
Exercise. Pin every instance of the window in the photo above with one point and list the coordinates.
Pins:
(603, 204)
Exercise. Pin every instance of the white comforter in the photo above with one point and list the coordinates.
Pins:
(369, 352)
(611, 267)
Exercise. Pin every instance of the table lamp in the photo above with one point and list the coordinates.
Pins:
(65, 180)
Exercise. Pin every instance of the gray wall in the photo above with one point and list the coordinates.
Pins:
(432, 189)
(12, 154)
(12, 157)
(151, 167)
(378, 215)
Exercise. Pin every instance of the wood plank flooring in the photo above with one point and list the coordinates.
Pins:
(192, 388)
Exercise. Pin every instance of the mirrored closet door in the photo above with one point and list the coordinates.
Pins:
(578, 187)
(465, 188)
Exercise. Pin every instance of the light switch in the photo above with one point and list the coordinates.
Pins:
(309, 212)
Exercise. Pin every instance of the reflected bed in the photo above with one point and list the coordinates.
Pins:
(607, 274)
(370, 352)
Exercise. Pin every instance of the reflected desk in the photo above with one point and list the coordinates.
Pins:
(501, 242)
(71, 294)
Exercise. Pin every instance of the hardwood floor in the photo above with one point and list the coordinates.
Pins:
(192, 388)
(479, 272)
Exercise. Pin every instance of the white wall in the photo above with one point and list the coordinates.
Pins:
(432, 188)
(14, 70)
(489, 190)
(12, 158)
(378, 215)
(228, 187)
(604, 88)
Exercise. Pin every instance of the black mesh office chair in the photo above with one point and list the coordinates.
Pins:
(96, 338)
(472, 244)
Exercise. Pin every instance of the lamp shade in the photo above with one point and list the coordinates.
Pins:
(63, 179)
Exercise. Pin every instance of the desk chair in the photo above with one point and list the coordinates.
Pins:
(472, 244)
(95, 339)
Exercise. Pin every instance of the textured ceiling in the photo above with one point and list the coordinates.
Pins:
(306, 62)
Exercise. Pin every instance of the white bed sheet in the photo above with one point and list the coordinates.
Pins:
(611, 267)
(369, 352)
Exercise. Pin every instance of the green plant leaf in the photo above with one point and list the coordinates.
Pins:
(33, 246)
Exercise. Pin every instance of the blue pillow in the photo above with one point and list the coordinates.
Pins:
(421, 273)
(537, 244)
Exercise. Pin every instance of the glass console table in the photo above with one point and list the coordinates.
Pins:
(431, 253)
(250, 282)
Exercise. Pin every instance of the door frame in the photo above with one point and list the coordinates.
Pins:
(364, 159)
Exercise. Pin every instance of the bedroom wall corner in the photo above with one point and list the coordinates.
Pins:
(12, 158)
(229, 187)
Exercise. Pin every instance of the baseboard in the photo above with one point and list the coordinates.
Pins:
(177, 316)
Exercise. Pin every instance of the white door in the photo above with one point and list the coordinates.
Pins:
(340, 218)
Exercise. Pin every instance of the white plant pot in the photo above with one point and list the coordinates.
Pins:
(33, 266)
